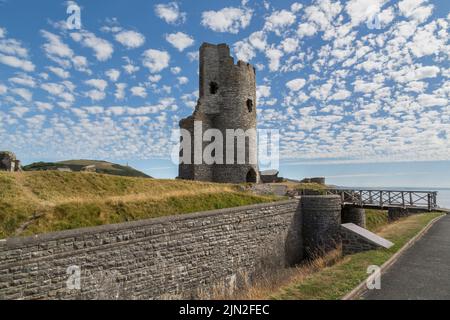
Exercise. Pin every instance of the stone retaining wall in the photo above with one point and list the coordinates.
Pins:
(186, 256)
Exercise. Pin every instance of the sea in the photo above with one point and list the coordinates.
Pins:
(443, 198)
(443, 194)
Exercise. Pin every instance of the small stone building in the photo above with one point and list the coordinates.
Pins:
(269, 176)
(9, 162)
(319, 180)
(227, 101)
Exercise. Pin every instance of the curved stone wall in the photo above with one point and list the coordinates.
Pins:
(321, 223)
(354, 215)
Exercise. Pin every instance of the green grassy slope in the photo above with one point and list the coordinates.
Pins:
(76, 165)
(44, 201)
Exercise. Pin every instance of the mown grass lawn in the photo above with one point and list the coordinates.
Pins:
(334, 282)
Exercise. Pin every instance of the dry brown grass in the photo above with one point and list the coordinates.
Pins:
(270, 281)
(44, 201)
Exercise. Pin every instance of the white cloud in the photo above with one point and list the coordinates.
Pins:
(263, 91)
(25, 94)
(60, 91)
(60, 72)
(180, 40)
(279, 20)
(19, 111)
(193, 56)
(306, 29)
(23, 80)
(182, 80)
(425, 42)
(113, 74)
(95, 95)
(130, 68)
(2, 32)
(3, 89)
(258, 40)
(155, 60)
(138, 91)
(296, 84)
(43, 106)
(416, 86)
(289, 45)
(228, 19)
(414, 9)
(170, 13)
(17, 63)
(102, 48)
(99, 84)
(429, 100)
(13, 47)
(55, 47)
(61, 53)
(274, 56)
(262, 95)
(362, 10)
(386, 16)
(366, 87)
(341, 95)
(426, 72)
(175, 70)
(130, 39)
(154, 78)
(120, 91)
(295, 7)
(243, 51)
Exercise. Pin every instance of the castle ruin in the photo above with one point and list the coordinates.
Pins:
(9, 162)
(227, 100)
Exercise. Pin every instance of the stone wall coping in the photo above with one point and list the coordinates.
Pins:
(368, 235)
(15, 242)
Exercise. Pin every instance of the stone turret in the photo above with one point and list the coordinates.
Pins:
(9, 162)
(227, 101)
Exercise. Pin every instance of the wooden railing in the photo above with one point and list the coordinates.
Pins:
(387, 198)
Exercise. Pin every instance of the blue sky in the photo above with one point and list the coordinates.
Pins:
(362, 103)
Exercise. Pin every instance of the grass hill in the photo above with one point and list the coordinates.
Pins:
(43, 201)
(77, 165)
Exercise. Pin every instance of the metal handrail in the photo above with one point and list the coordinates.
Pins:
(386, 198)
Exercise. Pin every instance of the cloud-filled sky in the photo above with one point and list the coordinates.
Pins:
(345, 82)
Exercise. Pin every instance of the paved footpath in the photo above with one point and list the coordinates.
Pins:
(422, 271)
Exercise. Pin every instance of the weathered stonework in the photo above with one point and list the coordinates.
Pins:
(227, 101)
(321, 224)
(354, 215)
(356, 239)
(397, 213)
(184, 256)
(9, 162)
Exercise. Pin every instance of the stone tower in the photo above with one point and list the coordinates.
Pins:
(227, 102)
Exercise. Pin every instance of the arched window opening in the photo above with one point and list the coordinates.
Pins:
(249, 105)
(213, 87)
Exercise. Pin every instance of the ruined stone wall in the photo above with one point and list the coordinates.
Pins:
(185, 256)
(9, 162)
(228, 101)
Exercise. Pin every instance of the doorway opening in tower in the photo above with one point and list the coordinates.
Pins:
(251, 176)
